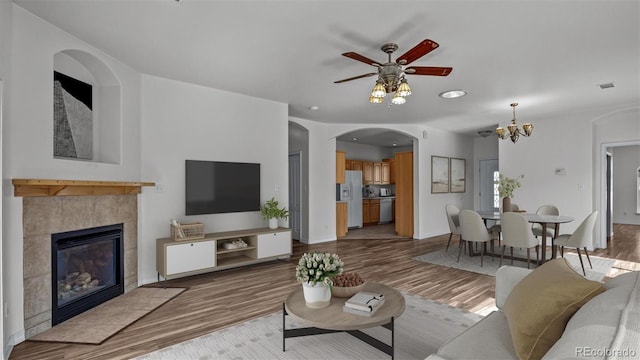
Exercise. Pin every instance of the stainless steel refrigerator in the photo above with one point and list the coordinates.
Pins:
(351, 192)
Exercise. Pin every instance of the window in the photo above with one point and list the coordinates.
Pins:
(496, 194)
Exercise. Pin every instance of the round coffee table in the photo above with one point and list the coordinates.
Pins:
(333, 319)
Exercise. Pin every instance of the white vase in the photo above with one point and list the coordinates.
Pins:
(316, 296)
(273, 223)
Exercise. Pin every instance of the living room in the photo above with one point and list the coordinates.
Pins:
(166, 121)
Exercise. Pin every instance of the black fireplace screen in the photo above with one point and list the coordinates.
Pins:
(87, 269)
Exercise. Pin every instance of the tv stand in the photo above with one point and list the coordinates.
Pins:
(183, 258)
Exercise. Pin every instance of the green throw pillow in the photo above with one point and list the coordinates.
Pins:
(539, 307)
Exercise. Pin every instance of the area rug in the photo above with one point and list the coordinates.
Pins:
(105, 320)
(601, 266)
(423, 327)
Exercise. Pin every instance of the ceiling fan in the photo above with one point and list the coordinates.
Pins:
(391, 75)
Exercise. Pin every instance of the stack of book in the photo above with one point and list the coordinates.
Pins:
(364, 303)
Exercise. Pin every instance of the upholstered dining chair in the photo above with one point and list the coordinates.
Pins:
(516, 232)
(454, 223)
(473, 229)
(545, 210)
(581, 238)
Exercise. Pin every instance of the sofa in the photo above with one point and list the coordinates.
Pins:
(601, 322)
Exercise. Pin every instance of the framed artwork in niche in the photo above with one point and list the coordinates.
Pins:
(458, 176)
(72, 118)
(439, 174)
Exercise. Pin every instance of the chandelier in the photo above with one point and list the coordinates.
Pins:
(514, 131)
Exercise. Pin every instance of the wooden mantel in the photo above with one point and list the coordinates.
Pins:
(48, 187)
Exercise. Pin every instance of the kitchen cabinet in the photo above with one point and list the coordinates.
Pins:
(370, 211)
(341, 219)
(385, 173)
(374, 211)
(377, 173)
(365, 212)
(367, 172)
(341, 158)
(404, 193)
(356, 165)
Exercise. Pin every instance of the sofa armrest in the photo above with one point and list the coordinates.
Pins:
(506, 278)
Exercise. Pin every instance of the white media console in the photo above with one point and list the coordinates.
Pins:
(183, 258)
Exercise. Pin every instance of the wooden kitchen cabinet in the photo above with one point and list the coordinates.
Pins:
(374, 211)
(341, 219)
(356, 165)
(385, 173)
(367, 172)
(377, 173)
(341, 158)
(365, 211)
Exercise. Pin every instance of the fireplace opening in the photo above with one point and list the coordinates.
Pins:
(87, 269)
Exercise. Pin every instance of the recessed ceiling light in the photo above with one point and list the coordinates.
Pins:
(355, 139)
(394, 144)
(313, 107)
(452, 94)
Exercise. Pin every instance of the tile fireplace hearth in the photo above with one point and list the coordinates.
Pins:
(44, 216)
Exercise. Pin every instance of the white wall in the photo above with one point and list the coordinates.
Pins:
(358, 151)
(626, 161)
(182, 121)
(570, 141)
(28, 138)
(5, 45)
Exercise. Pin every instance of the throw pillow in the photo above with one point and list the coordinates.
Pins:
(540, 305)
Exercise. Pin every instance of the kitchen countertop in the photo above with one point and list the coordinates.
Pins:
(379, 197)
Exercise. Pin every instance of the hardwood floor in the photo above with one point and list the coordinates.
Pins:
(220, 299)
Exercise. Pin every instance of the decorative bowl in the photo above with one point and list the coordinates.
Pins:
(342, 291)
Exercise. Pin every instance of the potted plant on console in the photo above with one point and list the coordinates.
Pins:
(271, 212)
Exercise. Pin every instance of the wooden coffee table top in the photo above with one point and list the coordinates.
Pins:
(333, 318)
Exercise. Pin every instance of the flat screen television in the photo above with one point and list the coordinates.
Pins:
(214, 187)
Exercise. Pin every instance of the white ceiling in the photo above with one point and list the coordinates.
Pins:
(549, 56)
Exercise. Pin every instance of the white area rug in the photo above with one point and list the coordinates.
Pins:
(601, 266)
(419, 331)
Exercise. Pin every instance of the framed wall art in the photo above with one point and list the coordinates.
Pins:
(458, 177)
(439, 174)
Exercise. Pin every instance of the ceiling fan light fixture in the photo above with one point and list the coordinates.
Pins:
(375, 100)
(398, 99)
(404, 89)
(452, 94)
(378, 90)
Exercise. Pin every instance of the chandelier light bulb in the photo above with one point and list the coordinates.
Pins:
(398, 99)
(378, 90)
(375, 100)
(404, 89)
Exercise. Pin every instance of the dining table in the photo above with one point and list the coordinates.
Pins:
(544, 220)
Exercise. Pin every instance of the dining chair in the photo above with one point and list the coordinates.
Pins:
(581, 238)
(473, 229)
(545, 210)
(454, 222)
(516, 232)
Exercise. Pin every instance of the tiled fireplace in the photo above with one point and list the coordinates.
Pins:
(44, 216)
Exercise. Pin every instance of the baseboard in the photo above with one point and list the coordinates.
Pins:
(13, 340)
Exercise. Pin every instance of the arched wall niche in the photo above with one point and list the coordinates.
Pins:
(104, 137)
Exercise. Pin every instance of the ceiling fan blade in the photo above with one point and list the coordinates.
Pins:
(418, 51)
(355, 77)
(359, 57)
(428, 70)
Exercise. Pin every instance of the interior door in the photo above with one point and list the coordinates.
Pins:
(295, 196)
(486, 195)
